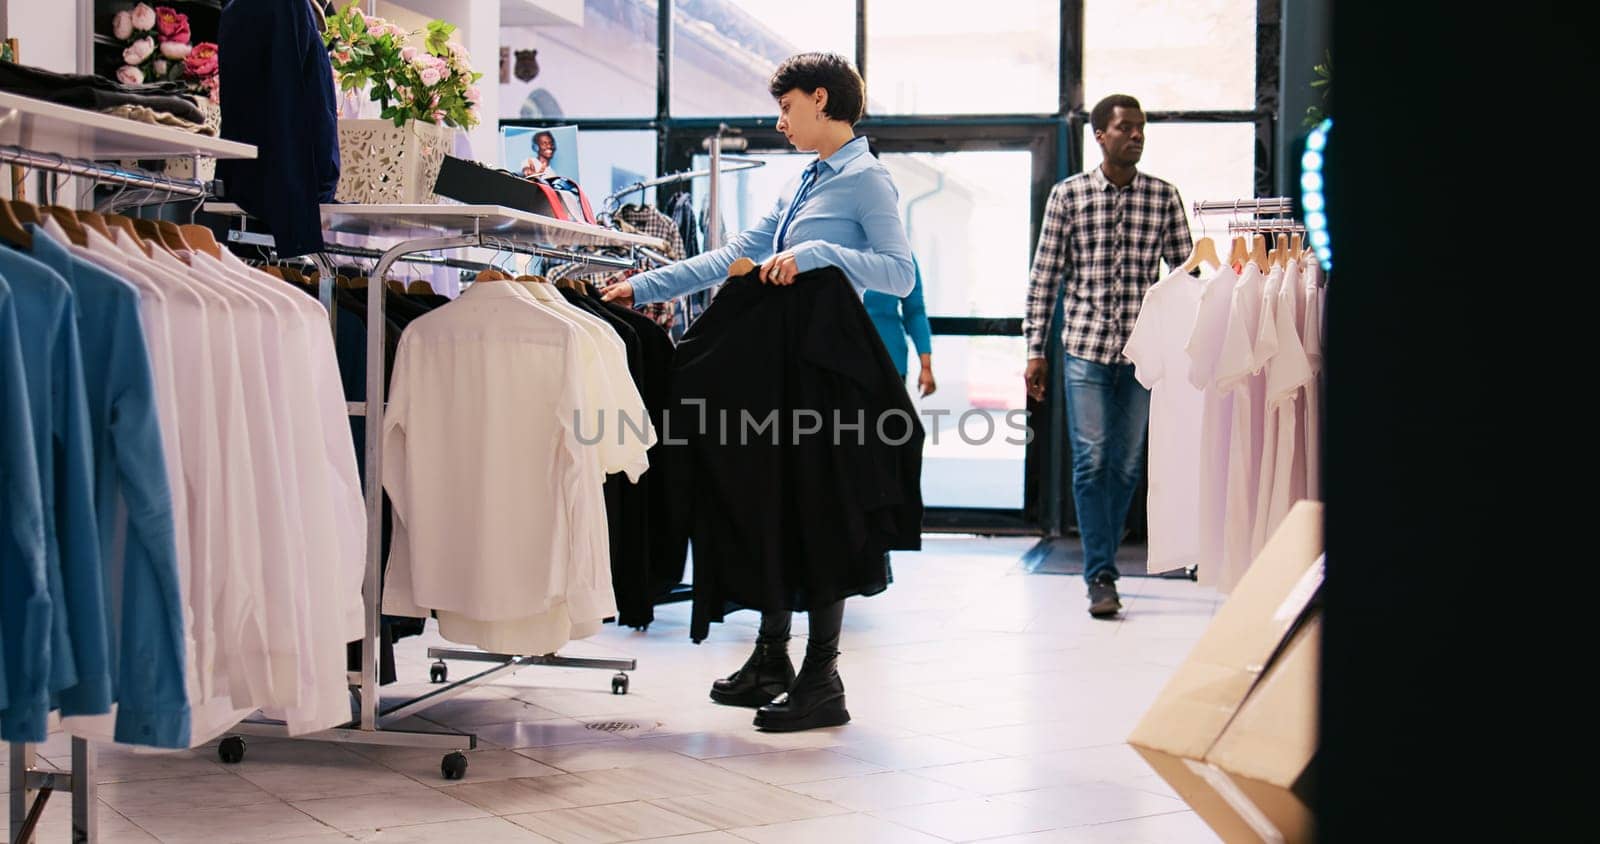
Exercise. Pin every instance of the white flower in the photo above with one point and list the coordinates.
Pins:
(408, 54)
(175, 51)
(159, 67)
(130, 75)
(144, 17)
(122, 25)
(430, 77)
(139, 50)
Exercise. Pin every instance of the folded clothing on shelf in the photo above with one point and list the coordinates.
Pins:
(98, 93)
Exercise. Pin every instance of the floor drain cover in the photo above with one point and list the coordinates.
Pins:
(613, 726)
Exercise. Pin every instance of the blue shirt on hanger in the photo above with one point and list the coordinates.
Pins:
(845, 214)
(24, 587)
(129, 467)
(79, 662)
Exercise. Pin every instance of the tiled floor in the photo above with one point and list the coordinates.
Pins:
(987, 704)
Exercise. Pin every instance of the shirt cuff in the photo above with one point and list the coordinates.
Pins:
(807, 256)
(646, 291)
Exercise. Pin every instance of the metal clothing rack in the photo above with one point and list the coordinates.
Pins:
(428, 229)
(80, 143)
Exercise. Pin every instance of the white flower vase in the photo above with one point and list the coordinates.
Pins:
(384, 164)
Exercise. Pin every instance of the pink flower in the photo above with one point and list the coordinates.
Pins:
(144, 18)
(130, 75)
(122, 25)
(160, 67)
(434, 103)
(438, 117)
(342, 55)
(172, 25)
(403, 92)
(430, 77)
(395, 31)
(408, 54)
(138, 51)
(474, 95)
(202, 60)
(213, 87)
(175, 50)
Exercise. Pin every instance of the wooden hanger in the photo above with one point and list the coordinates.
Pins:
(125, 225)
(201, 239)
(743, 266)
(275, 272)
(1205, 250)
(174, 237)
(92, 220)
(420, 288)
(1282, 252)
(1239, 253)
(148, 232)
(535, 278)
(11, 229)
(491, 275)
(1258, 252)
(24, 212)
(395, 285)
(68, 221)
(1296, 245)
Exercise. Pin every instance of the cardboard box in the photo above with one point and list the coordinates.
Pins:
(1234, 731)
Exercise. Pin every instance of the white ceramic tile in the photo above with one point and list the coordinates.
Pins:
(701, 838)
(294, 771)
(918, 752)
(837, 829)
(998, 776)
(111, 827)
(1175, 828)
(607, 824)
(757, 805)
(880, 791)
(475, 712)
(580, 758)
(1094, 803)
(401, 806)
(482, 766)
(164, 795)
(259, 822)
(547, 733)
(478, 831)
(679, 778)
(971, 820)
(792, 766)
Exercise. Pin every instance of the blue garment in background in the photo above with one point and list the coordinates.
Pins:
(24, 588)
(849, 219)
(281, 97)
(79, 662)
(895, 317)
(129, 470)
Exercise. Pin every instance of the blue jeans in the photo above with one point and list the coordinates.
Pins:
(1108, 415)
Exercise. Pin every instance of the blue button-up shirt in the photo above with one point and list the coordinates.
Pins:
(24, 588)
(79, 666)
(850, 219)
(129, 469)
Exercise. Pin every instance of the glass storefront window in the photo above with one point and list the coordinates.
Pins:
(1205, 161)
(608, 160)
(1001, 59)
(974, 451)
(724, 52)
(598, 63)
(1194, 55)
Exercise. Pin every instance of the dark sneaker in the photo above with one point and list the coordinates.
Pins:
(1103, 600)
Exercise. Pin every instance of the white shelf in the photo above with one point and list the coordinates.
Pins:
(408, 221)
(79, 133)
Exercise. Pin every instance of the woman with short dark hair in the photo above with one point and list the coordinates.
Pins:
(843, 212)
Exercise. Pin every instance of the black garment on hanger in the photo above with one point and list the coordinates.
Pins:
(281, 97)
(780, 519)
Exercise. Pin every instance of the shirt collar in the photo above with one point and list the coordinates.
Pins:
(846, 154)
(1098, 178)
(496, 290)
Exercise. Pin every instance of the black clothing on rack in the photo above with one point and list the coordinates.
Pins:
(97, 93)
(281, 97)
(800, 515)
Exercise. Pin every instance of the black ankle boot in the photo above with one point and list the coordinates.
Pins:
(816, 700)
(765, 675)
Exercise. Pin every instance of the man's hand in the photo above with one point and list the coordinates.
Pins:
(780, 269)
(620, 293)
(1038, 370)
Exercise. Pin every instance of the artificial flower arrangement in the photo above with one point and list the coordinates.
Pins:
(431, 83)
(158, 48)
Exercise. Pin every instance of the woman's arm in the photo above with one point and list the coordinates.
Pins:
(914, 315)
(707, 268)
(885, 265)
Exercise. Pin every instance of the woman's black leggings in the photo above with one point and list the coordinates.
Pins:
(826, 623)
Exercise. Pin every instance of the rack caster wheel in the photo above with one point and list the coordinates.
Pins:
(454, 765)
(439, 672)
(619, 684)
(231, 750)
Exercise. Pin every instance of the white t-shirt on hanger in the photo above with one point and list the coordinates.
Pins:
(1238, 372)
(1204, 350)
(1156, 347)
(1286, 375)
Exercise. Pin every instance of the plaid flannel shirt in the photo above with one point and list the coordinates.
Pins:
(1104, 244)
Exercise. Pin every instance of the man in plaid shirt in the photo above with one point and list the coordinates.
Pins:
(1103, 236)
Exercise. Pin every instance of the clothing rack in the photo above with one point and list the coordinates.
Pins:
(428, 229)
(611, 203)
(1274, 205)
(81, 143)
(1263, 226)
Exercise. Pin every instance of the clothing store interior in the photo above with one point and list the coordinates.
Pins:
(384, 459)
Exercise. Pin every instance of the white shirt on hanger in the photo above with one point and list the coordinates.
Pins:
(1156, 347)
(1312, 406)
(499, 509)
(1238, 372)
(1204, 350)
(1286, 375)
